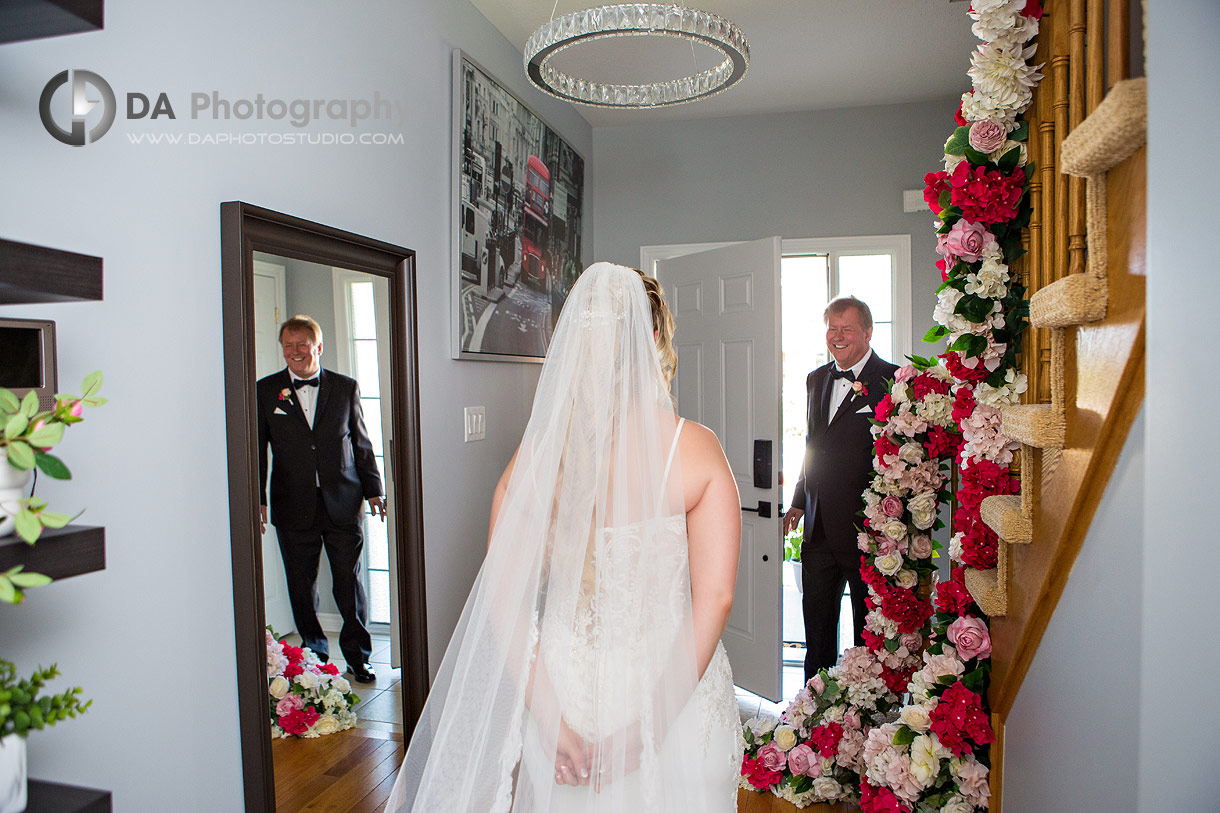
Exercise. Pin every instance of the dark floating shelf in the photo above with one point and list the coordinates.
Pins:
(35, 19)
(38, 274)
(52, 797)
(59, 553)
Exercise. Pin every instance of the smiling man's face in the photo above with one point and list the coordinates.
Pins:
(846, 338)
(301, 352)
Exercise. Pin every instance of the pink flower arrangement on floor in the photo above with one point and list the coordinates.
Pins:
(308, 698)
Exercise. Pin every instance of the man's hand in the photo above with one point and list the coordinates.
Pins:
(377, 506)
(792, 518)
(262, 519)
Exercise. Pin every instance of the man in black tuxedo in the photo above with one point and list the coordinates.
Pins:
(838, 466)
(323, 471)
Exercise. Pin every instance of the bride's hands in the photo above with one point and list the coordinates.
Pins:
(617, 755)
(571, 757)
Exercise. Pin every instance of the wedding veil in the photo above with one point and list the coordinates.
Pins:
(581, 612)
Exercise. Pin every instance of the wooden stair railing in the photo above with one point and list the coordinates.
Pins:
(1084, 352)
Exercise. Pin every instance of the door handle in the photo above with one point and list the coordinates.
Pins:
(763, 510)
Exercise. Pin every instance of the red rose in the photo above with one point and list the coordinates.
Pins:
(879, 800)
(923, 384)
(1033, 8)
(934, 184)
(985, 196)
(884, 407)
(942, 443)
(825, 738)
(883, 446)
(959, 718)
(961, 372)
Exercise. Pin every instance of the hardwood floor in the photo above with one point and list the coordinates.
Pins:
(351, 771)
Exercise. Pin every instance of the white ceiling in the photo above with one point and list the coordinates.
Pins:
(804, 54)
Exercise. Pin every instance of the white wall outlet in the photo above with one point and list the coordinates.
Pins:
(912, 201)
(475, 419)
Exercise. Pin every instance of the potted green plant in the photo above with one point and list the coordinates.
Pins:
(25, 443)
(792, 554)
(23, 708)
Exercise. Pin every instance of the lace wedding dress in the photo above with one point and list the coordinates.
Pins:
(602, 651)
(578, 637)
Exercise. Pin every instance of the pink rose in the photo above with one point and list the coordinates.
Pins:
(892, 506)
(905, 373)
(817, 684)
(78, 409)
(803, 762)
(968, 240)
(851, 719)
(970, 636)
(921, 546)
(987, 136)
(290, 703)
(772, 758)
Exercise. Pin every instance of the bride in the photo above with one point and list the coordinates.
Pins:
(586, 672)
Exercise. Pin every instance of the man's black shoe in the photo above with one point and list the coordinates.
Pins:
(362, 672)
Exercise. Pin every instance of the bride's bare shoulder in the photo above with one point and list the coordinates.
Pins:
(698, 443)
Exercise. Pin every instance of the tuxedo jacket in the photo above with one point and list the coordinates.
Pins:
(335, 454)
(839, 452)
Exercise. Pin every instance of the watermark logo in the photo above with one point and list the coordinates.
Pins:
(84, 85)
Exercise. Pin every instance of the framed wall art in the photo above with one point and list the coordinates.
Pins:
(518, 203)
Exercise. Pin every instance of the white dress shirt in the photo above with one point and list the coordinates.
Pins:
(307, 397)
(841, 386)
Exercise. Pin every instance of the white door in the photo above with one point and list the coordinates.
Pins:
(726, 309)
(269, 312)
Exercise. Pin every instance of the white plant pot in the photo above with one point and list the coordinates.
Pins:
(12, 773)
(796, 575)
(13, 484)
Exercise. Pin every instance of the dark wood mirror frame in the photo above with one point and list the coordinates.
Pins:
(244, 230)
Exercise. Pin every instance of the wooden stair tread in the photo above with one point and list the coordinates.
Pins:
(1077, 299)
(1041, 426)
(1004, 515)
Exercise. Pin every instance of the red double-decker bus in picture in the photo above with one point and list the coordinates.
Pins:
(537, 213)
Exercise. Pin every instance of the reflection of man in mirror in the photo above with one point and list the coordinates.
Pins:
(323, 470)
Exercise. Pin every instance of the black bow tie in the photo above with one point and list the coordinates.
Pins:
(836, 373)
(305, 382)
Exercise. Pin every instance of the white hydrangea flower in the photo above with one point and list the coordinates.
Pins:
(936, 408)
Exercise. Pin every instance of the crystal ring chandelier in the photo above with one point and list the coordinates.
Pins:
(637, 20)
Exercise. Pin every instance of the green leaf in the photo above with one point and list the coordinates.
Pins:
(957, 143)
(1008, 161)
(973, 680)
(8, 593)
(904, 736)
(28, 526)
(21, 455)
(29, 579)
(53, 519)
(91, 384)
(46, 435)
(15, 425)
(29, 404)
(8, 402)
(52, 466)
(891, 644)
(1021, 133)
(977, 158)
(935, 334)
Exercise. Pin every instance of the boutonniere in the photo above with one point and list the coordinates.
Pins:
(858, 388)
(285, 394)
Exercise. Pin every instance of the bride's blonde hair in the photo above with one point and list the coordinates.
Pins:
(662, 325)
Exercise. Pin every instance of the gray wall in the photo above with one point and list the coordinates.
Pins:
(825, 173)
(151, 637)
(1179, 733)
(1072, 736)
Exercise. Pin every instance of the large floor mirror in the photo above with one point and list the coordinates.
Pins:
(360, 296)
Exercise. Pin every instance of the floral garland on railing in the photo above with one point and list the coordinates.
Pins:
(931, 754)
